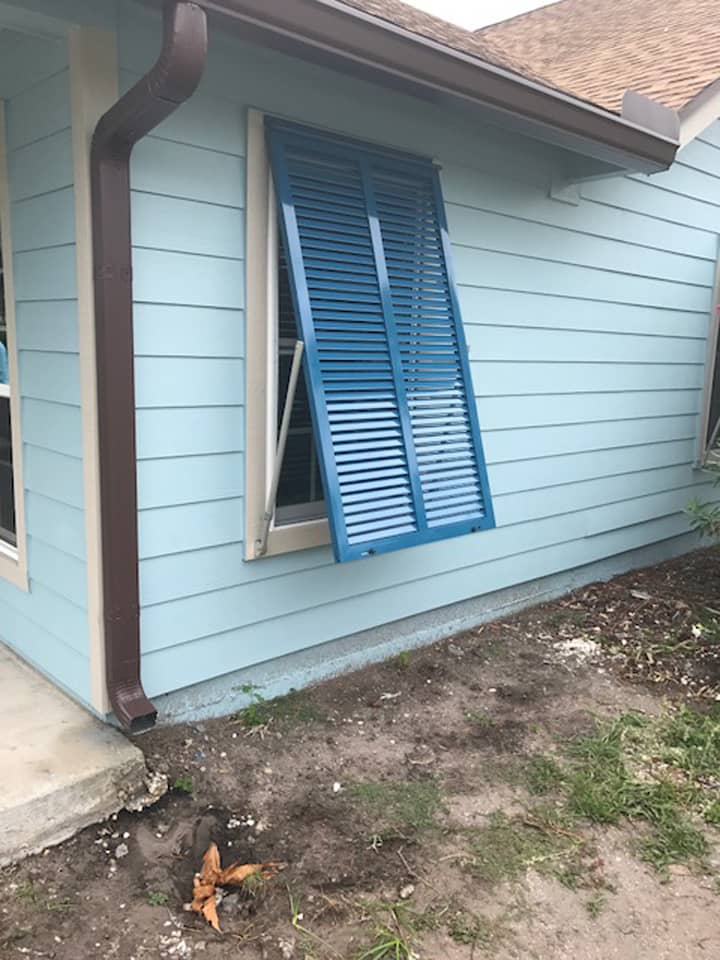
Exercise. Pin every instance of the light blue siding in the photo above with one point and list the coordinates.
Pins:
(586, 327)
(48, 624)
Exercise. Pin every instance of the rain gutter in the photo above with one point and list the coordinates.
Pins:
(170, 82)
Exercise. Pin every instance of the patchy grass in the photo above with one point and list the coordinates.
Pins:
(399, 928)
(471, 929)
(542, 775)
(388, 945)
(506, 848)
(691, 742)
(659, 771)
(483, 721)
(34, 897)
(398, 808)
(293, 709)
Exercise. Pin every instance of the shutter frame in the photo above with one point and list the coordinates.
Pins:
(358, 169)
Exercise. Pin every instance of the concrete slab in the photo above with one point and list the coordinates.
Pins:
(61, 769)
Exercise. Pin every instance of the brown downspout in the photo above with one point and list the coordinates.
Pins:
(162, 90)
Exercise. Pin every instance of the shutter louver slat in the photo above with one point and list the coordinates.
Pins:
(386, 363)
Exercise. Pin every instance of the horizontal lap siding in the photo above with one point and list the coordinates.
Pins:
(48, 624)
(586, 328)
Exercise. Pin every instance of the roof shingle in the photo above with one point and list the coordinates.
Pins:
(668, 50)
(433, 28)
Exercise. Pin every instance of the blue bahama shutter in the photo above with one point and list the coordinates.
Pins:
(386, 362)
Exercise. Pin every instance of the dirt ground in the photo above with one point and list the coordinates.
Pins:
(540, 787)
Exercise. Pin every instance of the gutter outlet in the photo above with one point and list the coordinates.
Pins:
(159, 93)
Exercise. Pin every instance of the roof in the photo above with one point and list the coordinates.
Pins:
(434, 28)
(667, 50)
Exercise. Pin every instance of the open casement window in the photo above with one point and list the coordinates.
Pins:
(709, 441)
(300, 491)
(8, 528)
(712, 436)
(386, 366)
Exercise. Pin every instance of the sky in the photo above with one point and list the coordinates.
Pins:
(472, 14)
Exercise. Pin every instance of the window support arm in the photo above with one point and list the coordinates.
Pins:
(262, 541)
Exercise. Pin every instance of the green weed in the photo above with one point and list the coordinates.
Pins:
(481, 720)
(595, 905)
(388, 946)
(184, 784)
(156, 898)
(294, 708)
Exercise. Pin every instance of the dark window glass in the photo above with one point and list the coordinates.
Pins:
(300, 492)
(7, 492)
(713, 434)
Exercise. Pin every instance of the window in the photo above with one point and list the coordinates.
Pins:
(8, 530)
(300, 492)
(384, 420)
(709, 440)
(12, 545)
(299, 518)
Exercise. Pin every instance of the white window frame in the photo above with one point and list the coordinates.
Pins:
(704, 451)
(261, 386)
(13, 559)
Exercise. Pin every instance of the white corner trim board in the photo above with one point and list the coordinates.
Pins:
(93, 89)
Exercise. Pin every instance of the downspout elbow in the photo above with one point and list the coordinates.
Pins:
(169, 83)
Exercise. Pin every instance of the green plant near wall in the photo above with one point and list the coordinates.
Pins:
(705, 517)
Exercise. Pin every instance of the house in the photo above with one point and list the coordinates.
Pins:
(486, 284)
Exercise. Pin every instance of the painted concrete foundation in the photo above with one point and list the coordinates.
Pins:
(277, 677)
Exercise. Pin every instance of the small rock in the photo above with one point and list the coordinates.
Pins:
(337, 787)
(231, 902)
(121, 850)
(407, 891)
(287, 949)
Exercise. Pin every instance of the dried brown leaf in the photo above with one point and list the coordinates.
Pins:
(209, 911)
(212, 876)
(211, 869)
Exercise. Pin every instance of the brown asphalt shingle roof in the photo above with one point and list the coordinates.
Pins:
(668, 50)
(433, 28)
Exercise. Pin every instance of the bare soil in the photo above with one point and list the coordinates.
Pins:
(375, 789)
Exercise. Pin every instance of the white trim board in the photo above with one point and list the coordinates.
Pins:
(93, 89)
(13, 561)
(699, 113)
(260, 365)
